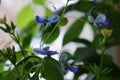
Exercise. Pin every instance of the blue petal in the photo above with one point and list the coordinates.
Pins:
(39, 51)
(63, 69)
(90, 18)
(41, 20)
(52, 52)
(104, 23)
(46, 48)
(53, 18)
(73, 69)
(63, 57)
(100, 18)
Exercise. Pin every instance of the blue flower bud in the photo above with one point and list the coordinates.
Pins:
(63, 57)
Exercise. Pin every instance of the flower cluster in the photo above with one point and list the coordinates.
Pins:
(100, 20)
(45, 51)
(66, 66)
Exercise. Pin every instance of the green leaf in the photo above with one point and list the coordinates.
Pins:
(114, 22)
(51, 69)
(4, 74)
(106, 78)
(63, 21)
(36, 75)
(27, 58)
(24, 16)
(30, 28)
(23, 67)
(48, 12)
(39, 1)
(82, 6)
(27, 33)
(84, 41)
(73, 32)
(86, 54)
(85, 6)
(96, 43)
(13, 75)
(53, 36)
(26, 41)
(4, 29)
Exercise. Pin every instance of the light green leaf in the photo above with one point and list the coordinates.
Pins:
(24, 16)
(39, 1)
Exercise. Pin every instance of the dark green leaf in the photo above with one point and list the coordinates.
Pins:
(51, 37)
(82, 6)
(5, 30)
(26, 59)
(51, 69)
(106, 78)
(73, 32)
(63, 21)
(97, 40)
(84, 41)
(87, 54)
(114, 22)
(13, 26)
(27, 41)
(4, 74)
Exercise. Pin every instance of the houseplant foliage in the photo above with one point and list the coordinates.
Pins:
(25, 64)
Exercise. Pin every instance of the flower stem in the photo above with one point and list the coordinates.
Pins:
(17, 41)
(20, 77)
(57, 22)
(101, 63)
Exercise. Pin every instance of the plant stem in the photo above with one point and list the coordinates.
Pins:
(20, 77)
(57, 22)
(17, 40)
(101, 63)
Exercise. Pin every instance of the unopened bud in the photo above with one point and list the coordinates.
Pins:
(3, 20)
(106, 32)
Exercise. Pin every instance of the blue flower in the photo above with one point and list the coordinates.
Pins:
(66, 66)
(100, 20)
(73, 68)
(45, 51)
(41, 20)
(52, 19)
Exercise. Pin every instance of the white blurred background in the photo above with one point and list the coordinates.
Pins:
(11, 8)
